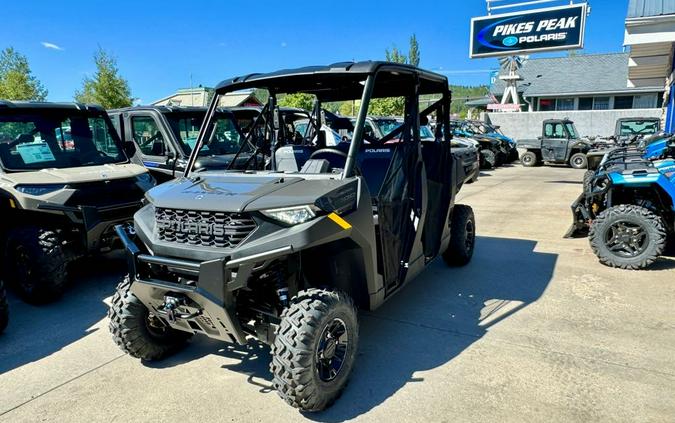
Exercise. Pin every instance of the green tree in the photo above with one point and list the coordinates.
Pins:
(395, 56)
(16, 79)
(106, 87)
(299, 100)
(414, 51)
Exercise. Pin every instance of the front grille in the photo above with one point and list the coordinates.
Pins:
(203, 228)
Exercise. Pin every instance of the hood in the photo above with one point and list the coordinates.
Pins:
(226, 192)
(75, 174)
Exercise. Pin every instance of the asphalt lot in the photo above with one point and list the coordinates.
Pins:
(534, 329)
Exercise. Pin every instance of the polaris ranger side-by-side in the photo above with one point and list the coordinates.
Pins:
(65, 181)
(287, 256)
(558, 144)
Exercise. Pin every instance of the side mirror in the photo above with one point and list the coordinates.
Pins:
(170, 155)
(129, 148)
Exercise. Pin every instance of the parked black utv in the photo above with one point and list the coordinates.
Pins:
(287, 257)
(65, 182)
(165, 136)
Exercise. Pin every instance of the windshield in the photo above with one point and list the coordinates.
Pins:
(638, 127)
(57, 139)
(226, 139)
(387, 125)
(571, 130)
(425, 132)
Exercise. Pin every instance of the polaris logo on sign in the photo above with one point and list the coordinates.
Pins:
(556, 28)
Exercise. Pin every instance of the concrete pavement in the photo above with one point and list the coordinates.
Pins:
(533, 329)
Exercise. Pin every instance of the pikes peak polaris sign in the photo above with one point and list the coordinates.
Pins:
(555, 28)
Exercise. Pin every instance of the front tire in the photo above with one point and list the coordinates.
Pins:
(579, 161)
(529, 159)
(4, 308)
(588, 179)
(314, 349)
(137, 332)
(36, 263)
(489, 159)
(462, 236)
(627, 237)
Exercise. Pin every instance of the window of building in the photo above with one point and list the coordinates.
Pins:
(585, 103)
(564, 104)
(645, 101)
(623, 102)
(546, 104)
(600, 103)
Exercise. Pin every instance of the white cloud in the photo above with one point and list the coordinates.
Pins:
(283, 44)
(52, 46)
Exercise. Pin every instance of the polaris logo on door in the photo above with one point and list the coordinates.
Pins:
(557, 28)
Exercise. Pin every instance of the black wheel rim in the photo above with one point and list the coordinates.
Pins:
(578, 161)
(155, 326)
(470, 235)
(22, 268)
(527, 159)
(331, 350)
(626, 239)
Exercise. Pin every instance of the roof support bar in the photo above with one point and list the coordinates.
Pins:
(357, 139)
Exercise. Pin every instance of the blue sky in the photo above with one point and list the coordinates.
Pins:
(159, 44)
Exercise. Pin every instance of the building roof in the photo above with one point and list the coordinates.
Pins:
(235, 99)
(648, 8)
(574, 75)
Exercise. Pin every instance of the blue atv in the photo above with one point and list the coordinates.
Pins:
(627, 208)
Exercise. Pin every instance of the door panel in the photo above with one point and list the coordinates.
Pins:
(397, 215)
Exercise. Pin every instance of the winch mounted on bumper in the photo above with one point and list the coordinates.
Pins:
(199, 298)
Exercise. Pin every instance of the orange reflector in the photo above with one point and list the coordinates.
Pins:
(340, 221)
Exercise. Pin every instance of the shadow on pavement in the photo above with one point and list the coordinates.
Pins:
(35, 332)
(439, 315)
(427, 324)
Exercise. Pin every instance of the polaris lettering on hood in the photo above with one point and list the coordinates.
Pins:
(557, 28)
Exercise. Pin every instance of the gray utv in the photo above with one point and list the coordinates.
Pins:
(65, 182)
(287, 257)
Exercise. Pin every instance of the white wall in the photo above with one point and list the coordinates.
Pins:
(588, 122)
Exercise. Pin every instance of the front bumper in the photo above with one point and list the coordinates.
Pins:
(98, 222)
(200, 293)
(581, 218)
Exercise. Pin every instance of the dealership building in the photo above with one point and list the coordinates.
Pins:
(594, 90)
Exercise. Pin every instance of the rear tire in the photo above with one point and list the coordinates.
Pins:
(138, 333)
(628, 237)
(489, 159)
(462, 236)
(36, 263)
(303, 376)
(579, 161)
(4, 308)
(529, 159)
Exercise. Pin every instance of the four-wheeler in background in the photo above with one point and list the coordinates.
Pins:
(494, 131)
(288, 256)
(165, 136)
(627, 207)
(60, 196)
(493, 152)
(628, 132)
(559, 144)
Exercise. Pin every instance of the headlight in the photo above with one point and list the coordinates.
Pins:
(39, 189)
(146, 178)
(292, 215)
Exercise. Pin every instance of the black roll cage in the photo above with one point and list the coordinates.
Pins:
(272, 119)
